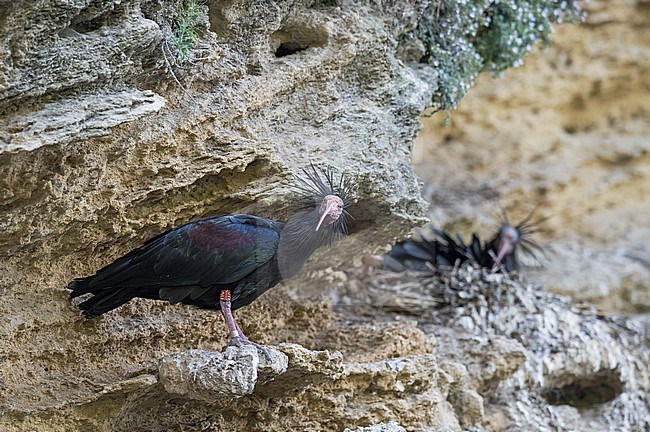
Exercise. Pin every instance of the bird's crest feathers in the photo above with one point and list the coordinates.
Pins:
(317, 183)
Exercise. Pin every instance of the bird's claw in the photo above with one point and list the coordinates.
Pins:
(240, 341)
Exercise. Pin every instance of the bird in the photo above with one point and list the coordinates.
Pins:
(500, 253)
(224, 262)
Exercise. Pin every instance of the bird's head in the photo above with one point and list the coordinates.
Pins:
(509, 237)
(319, 221)
(330, 210)
(321, 189)
(505, 241)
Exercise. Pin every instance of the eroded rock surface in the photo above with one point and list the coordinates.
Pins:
(382, 427)
(102, 149)
(568, 132)
(528, 360)
(223, 392)
(62, 122)
(212, 376)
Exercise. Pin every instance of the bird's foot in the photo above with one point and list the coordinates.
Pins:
(241, 340)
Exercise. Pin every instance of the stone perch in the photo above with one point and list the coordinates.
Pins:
(213, 376)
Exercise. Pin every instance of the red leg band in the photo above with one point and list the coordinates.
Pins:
(225, 295)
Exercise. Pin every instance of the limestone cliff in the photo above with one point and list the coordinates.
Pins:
(114, 128)
(568, 132)
(106, 142)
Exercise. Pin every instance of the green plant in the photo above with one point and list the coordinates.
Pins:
(190, 22)
(180, 46)
(467, 37)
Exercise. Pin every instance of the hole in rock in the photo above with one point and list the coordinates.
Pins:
(296, 37)
(97, 16)
(586, 391)
(289, 48)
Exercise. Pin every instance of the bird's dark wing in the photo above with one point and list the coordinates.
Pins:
(446, 238)
(216, 251)
(416, 250)
(478, 253)
(450, 251)
(409, 255)
(188, 260)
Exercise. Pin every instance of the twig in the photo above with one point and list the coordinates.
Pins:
(171, 71)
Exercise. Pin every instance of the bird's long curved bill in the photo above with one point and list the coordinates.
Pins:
(505, 247)
(327, 211)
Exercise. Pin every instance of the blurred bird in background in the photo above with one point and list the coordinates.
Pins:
(440, 249)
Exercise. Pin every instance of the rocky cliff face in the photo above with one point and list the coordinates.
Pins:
(516, 357)
(110, 136)
(102, 148)
(567, 132)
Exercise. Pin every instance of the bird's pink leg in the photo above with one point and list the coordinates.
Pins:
(224, 302)
(241, 333)
(237, 337)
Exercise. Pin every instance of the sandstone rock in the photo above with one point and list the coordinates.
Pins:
(537, 361)
(614, 280)
(567, 132)
(206, 389)
(381, 427)
(59, 123)
(212, 377)
(102, 149)
(467, 403)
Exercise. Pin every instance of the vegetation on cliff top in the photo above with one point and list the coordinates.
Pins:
(463, 37)
(467, 37)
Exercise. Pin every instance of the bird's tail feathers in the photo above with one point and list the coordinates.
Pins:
(105, 301)
(79, 287)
